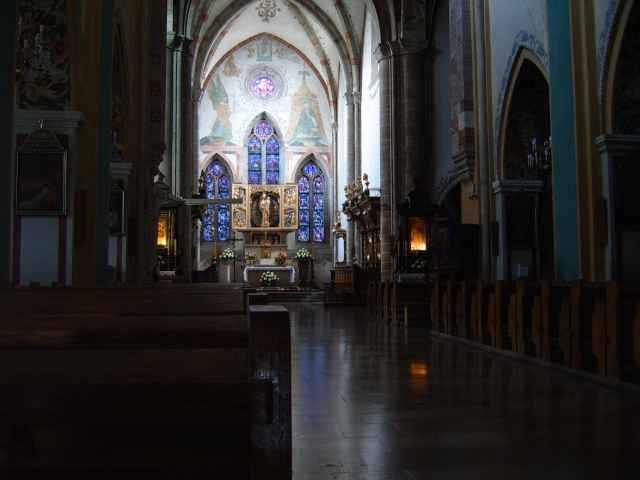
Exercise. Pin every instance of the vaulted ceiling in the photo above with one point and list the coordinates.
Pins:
(328, 32)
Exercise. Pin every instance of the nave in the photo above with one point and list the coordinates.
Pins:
(377, 402)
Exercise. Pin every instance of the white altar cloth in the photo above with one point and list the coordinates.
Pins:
(269, 268)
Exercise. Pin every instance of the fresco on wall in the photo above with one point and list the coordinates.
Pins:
(264, 49)
(221, 130)
(264, 76)
(306, 119)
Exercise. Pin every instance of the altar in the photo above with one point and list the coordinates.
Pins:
(286, 274)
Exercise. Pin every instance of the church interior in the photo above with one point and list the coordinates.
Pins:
(320, 239)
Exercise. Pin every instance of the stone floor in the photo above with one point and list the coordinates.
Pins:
(372, 402)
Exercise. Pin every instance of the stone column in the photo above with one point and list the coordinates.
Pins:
(410, 117)
(103, 174)
(188, 158)
(501, 218)
(385, 61)
(357, 116)
(174, 113)
(351, 165)
(8, 23)
(482, 136)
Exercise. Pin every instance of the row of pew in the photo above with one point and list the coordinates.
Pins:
(174, 381)
(584, 326)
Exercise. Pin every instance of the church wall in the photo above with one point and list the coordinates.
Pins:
(370, 89)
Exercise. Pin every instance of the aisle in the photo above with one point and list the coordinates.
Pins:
(374, 403)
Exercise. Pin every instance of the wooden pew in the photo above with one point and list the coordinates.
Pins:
(406, 297)
(93, 353)
(560, 325)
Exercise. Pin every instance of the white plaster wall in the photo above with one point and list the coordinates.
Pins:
(514, 24)
(441, 161)
(242, 108)
(39, 238)
(370, 138)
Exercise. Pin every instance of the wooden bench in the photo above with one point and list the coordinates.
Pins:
(126, 383)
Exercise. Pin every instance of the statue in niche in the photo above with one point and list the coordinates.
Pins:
(265, 208)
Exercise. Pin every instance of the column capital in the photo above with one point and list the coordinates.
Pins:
(399, 48)
(352, 98)
(177, 42)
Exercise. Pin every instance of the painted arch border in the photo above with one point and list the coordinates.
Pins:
(619, 18)
(521, 55)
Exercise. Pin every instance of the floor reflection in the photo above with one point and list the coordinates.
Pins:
(373, 402)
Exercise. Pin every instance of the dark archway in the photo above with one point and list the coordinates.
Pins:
(626, 121)
(527, 170)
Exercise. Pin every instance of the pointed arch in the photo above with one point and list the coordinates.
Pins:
(525, 57)
(313, 192)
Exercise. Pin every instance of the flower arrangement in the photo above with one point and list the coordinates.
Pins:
(227, 255)
(268, 278)
(419, 265)
(281, 259)
(303, 254)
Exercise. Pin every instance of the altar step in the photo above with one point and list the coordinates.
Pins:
(310, 296)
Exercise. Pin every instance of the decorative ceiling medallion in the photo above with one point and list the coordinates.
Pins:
(267, 9)
(264, 83)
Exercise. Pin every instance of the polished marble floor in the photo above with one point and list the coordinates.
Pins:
(373, 402)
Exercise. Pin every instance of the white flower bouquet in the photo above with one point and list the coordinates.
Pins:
(227, 255)
(268, 278)
(303, 254)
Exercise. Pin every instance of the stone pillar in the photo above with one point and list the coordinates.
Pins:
(482, 138)
(174, 112)
(103, 173)
(351, 165)
(410, 117)
(8, 33)
(501, 218)
(188, 158)
(357, 114)
(385, 61)
(563, 132)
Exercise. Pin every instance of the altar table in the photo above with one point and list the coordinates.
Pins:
(252, 273)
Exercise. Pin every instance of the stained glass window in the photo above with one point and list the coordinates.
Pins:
(311, 189)
(264, 135)
(255, 160)
(263, 86)
(273, 161)
(217, 218)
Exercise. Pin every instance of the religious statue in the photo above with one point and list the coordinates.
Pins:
(265, 210)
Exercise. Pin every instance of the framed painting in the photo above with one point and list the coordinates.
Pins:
(41, 176)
